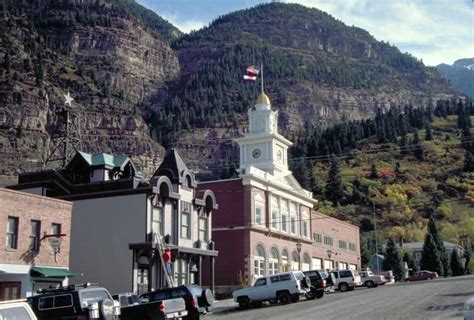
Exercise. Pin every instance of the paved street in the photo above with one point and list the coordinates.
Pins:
(433, 299)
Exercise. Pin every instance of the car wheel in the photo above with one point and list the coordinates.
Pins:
(207, 297)
(284, 298)
(369, 284)
(319, 294)
(311, 294)
(244, 302)
(343, 287)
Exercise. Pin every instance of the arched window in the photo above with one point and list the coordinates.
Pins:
(284, 260)
(273, 261)
(259, 261)
(295, 265)
(306, 262)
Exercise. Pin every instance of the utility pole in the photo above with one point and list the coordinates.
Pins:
(376, 240)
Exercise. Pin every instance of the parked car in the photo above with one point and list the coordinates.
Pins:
(78, 301)
(321, 281)
(346, 280)
(284, 287)
(16, 310)
(132, 309)
(388, 275)
(468, 309)
(422, 275)
(371, 280)
(198, 301)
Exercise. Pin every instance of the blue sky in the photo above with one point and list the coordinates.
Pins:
(437, 31)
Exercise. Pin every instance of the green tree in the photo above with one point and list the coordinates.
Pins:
(364, 253)
(334, 190)
(373, 172)
(417, 147)
(428, 133)
(457, 267)
(430, 259)
(468, 161)
(443, 254)
(393, 260)
(467, 256)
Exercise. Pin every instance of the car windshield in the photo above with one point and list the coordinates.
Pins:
(324, 274)
(299, 275)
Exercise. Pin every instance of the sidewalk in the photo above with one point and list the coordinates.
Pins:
(223, 306)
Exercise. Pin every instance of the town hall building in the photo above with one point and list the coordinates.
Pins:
(265, 222)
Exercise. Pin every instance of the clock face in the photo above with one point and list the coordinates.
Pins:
(279, 154)
(256, 153)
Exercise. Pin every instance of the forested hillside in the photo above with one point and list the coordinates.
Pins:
(404, 164)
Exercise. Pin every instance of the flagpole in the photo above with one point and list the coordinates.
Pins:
(261, 67)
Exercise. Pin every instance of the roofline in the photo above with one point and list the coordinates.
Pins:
(7, 189)
(335, 220)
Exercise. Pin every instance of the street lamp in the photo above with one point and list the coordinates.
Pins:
(298, 248)
(329, 252)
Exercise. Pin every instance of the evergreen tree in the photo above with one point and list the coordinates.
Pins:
(457, 267)
(393, 260)
(428, 133)
(334, 190)
(468, 161)
(443, 254)
(404, 146)
(364, 253)
(411, 263)
(417, 148)
(397, 169)
(430, 259)
(467, 257)
(373, 172)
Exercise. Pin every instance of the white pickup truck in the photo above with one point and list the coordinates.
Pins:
(283, 287)
(370, 280)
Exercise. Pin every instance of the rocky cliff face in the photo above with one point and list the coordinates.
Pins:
(105, 57)
(461, 75)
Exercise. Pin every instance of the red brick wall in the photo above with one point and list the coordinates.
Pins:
(232, 244)
(29, 207)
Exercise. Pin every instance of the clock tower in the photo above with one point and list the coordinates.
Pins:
(262, 146)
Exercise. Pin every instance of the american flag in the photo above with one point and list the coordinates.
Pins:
(252, 73)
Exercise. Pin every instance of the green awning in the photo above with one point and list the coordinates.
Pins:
(51, 272)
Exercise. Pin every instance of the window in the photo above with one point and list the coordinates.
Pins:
(185, 225)
(295, 261)
(275, 218)
(60, 301)
(273, 261)
(342, 244)
(284, 222)
(258, 215)
(352, 246)
(260, 282)
(285, 277)
(328, 240)
(157, 220)
(259, 261)
(293, 224)
(306, 262)
(35, 235)
(317, 237)
(12, 233)
(274, 279)
(203, 229)
(56, 228)
(305, 228)
(284, 260)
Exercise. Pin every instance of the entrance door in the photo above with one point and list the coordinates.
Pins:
(10, 290)
(142, 280)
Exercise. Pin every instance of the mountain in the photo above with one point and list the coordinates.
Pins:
(108, 54)
(461, 75)
(317, 72)
(140, 85)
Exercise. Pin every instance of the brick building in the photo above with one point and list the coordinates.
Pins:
(27, 260)
(269, 217)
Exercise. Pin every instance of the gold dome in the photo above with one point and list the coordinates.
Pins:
(263, 99)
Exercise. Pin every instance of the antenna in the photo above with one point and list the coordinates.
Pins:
(66, 136)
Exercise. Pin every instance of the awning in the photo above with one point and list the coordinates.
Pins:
(51, 272)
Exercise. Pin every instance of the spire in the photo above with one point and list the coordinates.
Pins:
(263, 99)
